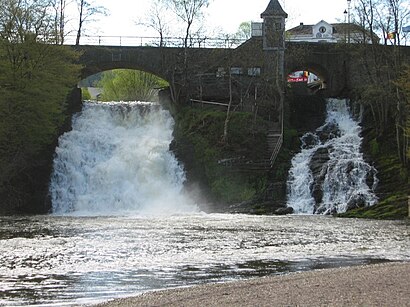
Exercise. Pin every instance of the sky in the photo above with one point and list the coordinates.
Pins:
(225, 15)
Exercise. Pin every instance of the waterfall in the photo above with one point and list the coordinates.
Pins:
(116, 160)
(329, 174)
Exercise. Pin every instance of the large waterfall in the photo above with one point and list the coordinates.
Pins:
(329, 174)
(116, 160)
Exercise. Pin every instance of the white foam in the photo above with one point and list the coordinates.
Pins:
(116, 161)
(346, 171)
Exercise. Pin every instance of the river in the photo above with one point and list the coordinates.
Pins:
(68, 260)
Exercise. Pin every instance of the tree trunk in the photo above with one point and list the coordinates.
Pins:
(80, 23)
(228, 111)
(62, 21)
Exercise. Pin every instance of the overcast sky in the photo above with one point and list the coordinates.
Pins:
(225, 15)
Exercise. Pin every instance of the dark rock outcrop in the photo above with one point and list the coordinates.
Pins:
(318, 166)
(284, 211)
(359, 201)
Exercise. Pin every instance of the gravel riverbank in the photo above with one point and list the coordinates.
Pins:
(374, 285)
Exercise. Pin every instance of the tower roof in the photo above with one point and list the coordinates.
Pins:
(274, 9)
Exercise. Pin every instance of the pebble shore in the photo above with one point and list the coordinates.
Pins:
(385, 284)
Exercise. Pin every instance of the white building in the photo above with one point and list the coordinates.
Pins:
(324, 32)
(320, 32)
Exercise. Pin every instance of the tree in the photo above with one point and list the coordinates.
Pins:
(36, 75)
(157, 20)
(386, 17)
(22, 20)
(130, 85)
(244, 31)
(86, 11)
(189, 12)
(398, 16)
(383, 67)
(404, 86)
(60, 20)
(228, 110)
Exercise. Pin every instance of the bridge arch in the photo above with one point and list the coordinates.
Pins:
(328, 61)
(97, 59)
(315, 68)
(122, 84)
(105, 67)
(323, 76)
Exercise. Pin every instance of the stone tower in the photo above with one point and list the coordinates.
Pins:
(274, 26)
(274, 40)
(273, 32)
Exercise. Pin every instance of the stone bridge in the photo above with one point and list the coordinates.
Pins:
(248, 60)
(332, 63)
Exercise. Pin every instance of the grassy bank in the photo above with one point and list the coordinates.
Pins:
(213, 162)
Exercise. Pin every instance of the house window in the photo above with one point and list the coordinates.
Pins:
(236, 70)
(254, 71)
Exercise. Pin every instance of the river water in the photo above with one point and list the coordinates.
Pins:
(68, 260)
(122, 223)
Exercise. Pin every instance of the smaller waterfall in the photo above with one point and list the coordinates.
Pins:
(116, 161)
(329, 174)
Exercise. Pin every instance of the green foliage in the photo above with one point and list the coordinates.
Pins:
(34, 82)
(204, 130)
(231, 189)
(36, 76)
(404, 86)
(130, 85)
(374, 147)
(393, 207)
(244, 30)
(85, 94)
(290, 137)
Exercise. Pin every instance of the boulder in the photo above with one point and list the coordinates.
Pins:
(359, 201)
(318, 166)
(284, 211)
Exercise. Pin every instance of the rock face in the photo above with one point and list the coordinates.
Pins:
(358, 202)
(318, 167)
(259, 207)
(284, 211)
(318, 164)
(307, 112)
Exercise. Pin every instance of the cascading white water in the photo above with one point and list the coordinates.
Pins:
(345, 174)
(116, 160)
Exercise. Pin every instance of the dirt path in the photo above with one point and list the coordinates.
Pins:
(375, 285)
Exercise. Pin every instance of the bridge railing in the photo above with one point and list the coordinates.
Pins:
(134, 41)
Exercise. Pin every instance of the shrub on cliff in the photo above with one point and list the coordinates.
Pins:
(200, 131)
(36, 76)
